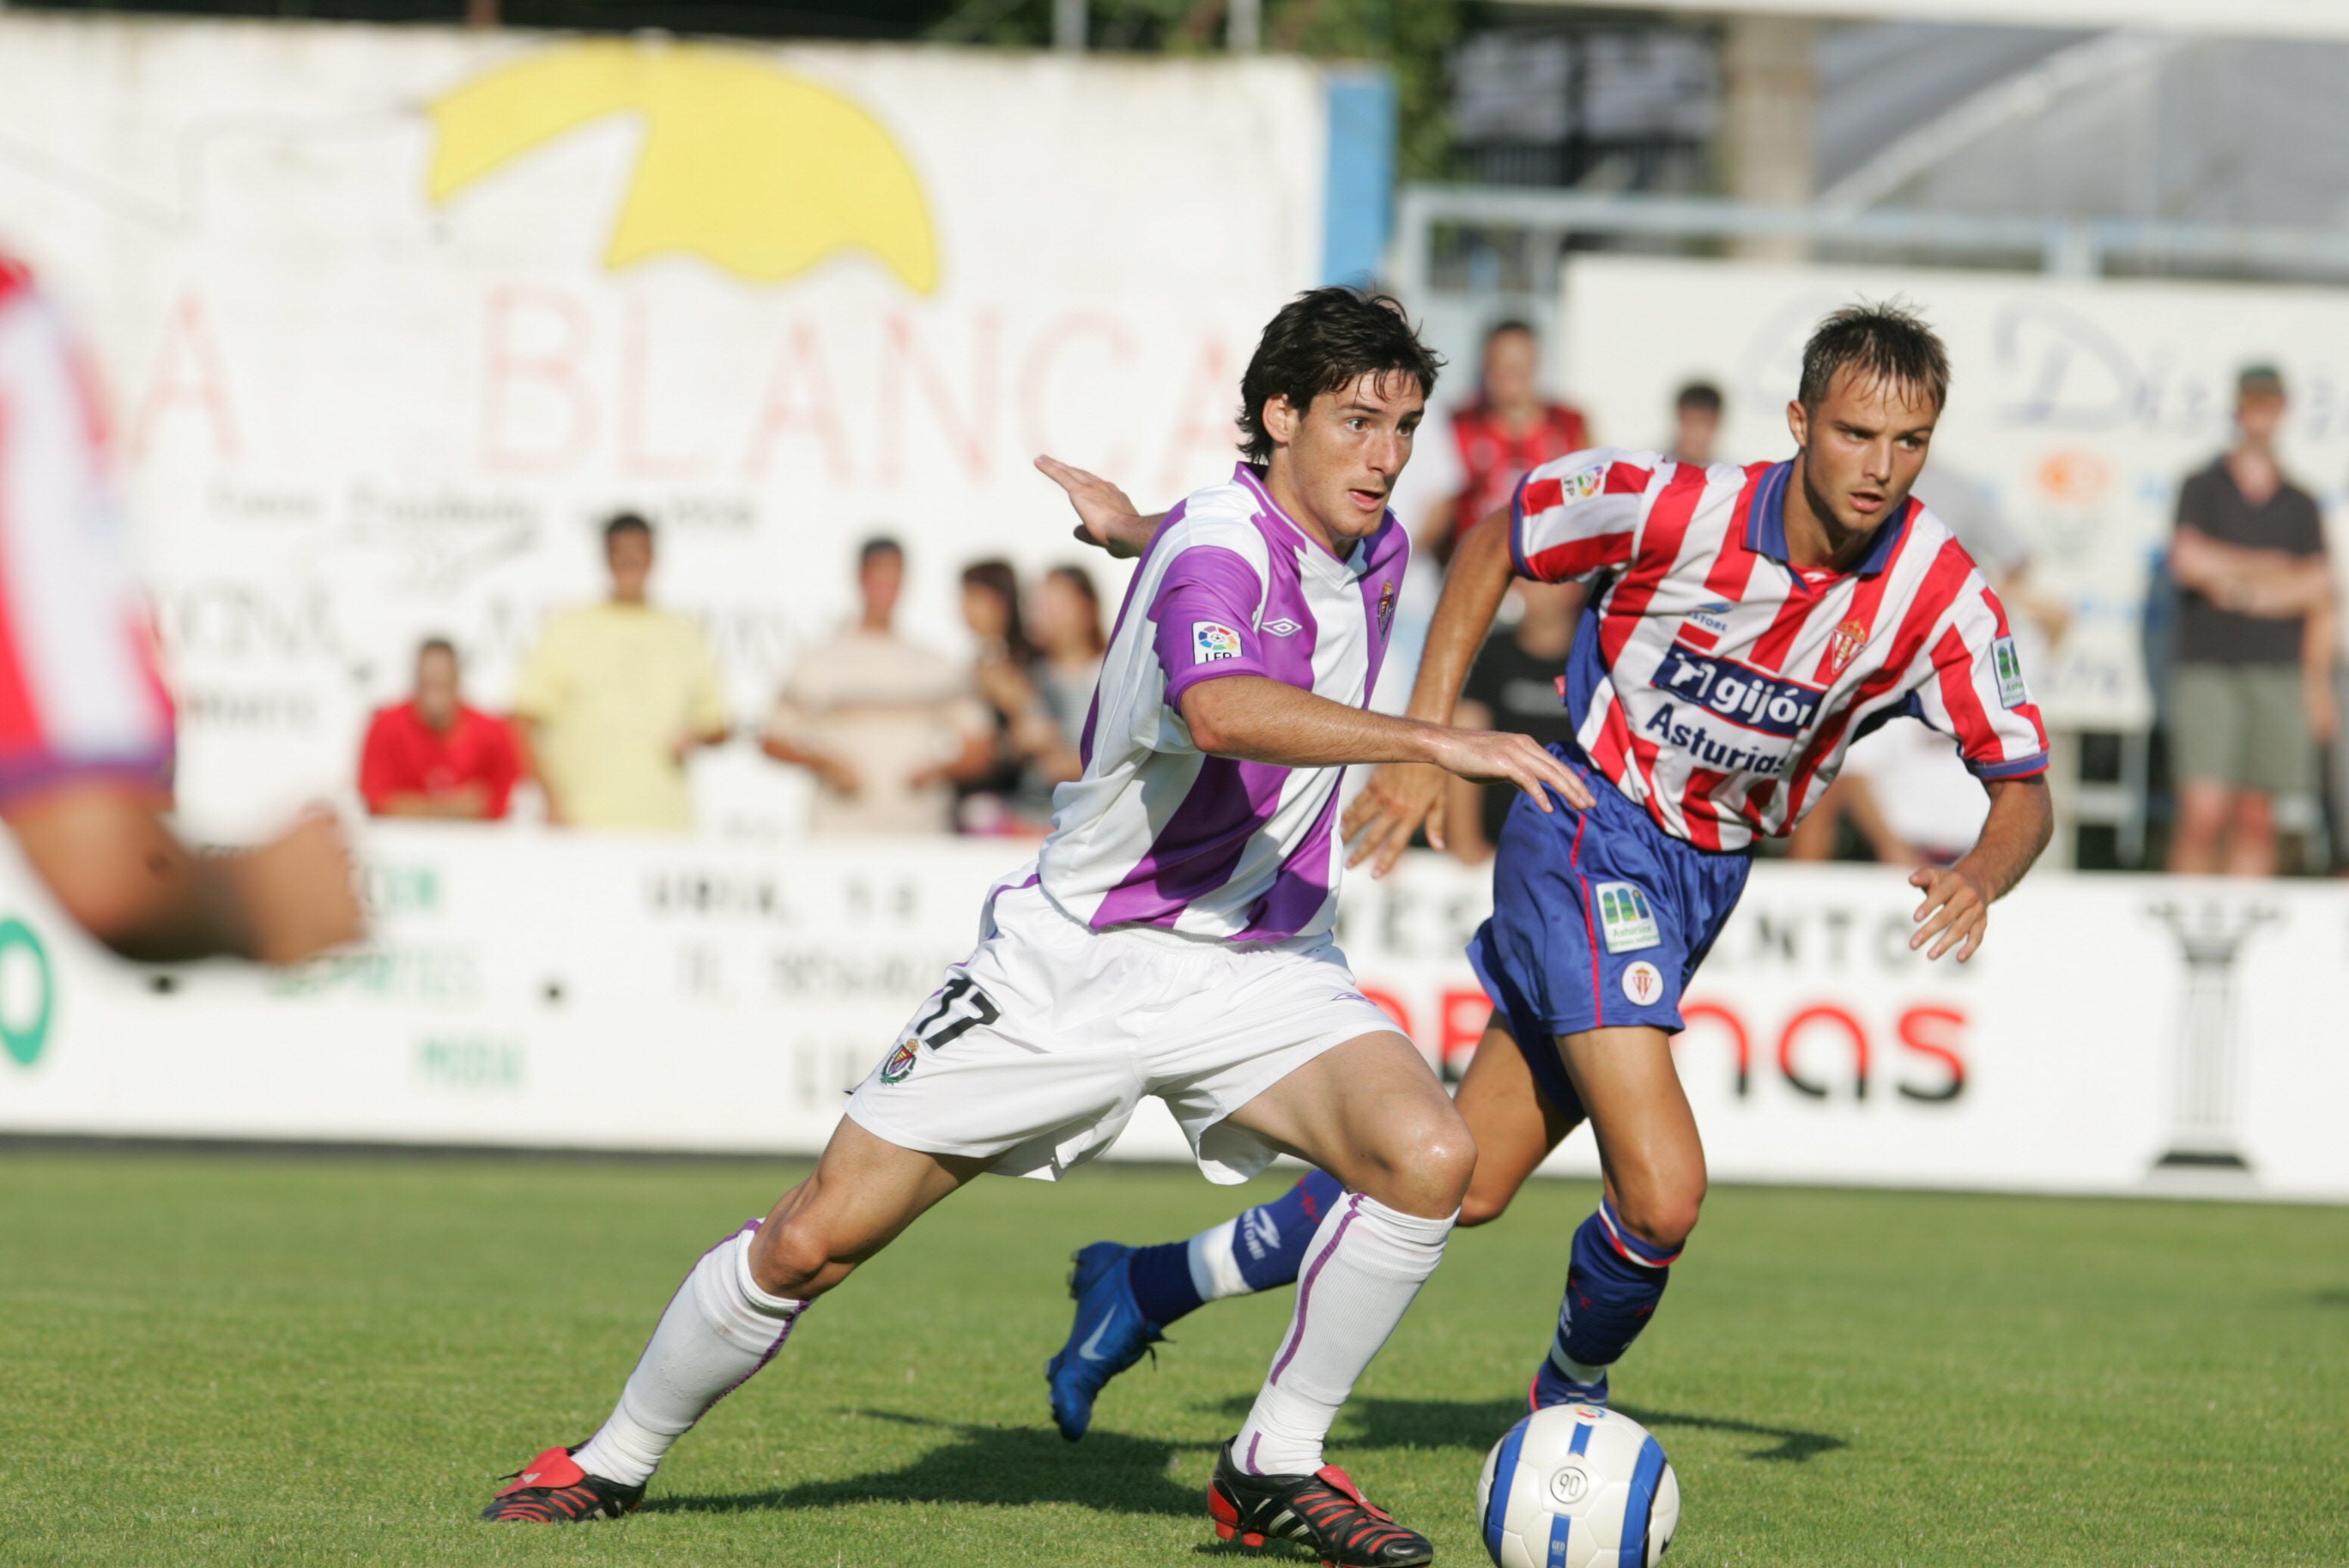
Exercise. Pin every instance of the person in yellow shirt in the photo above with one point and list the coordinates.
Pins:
(614, 696)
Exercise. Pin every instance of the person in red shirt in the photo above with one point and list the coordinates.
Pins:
(1508, 431)
(432, 756)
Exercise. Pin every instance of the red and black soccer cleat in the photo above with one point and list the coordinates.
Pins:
(551, 1489)
(1326, 1511)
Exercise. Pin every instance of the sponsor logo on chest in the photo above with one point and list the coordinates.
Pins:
(1743, 696)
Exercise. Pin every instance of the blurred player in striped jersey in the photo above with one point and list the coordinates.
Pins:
(86, 725)
(1744, 626)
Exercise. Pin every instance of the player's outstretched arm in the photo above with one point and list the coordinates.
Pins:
(1401, 798)
(1956, 910)
(1106, 516)
(125, 877)
(1259, 719)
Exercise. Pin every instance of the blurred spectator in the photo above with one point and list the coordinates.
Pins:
(885, 725)
(2252, 692)
(1513, 687)
(1696, 423)
(1003, 674)
(1489, 444)
(432, 756)
(616, 697)
(1904, 789)
(2335, 755)
(1070, 634)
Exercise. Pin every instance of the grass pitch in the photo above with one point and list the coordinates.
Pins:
(294, 1360)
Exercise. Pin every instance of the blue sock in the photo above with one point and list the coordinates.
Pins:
(1261, 1248)
(1612, 1287)
(1269, 1241)
(1161, 1278)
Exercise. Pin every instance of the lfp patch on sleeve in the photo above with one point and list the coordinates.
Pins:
(1212, 640)
(1625, 917)
(2008, 663)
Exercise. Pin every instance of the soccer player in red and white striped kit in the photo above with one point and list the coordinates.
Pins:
(1744, 626)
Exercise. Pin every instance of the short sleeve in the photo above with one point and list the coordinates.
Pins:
(1578, 517)
(1977, 694)
(501, 765)
(1205, 614)
(378, 771)
(538, 689)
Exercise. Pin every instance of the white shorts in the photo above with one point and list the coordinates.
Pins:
(1039, 1046)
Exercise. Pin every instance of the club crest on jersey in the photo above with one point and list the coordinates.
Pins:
(899, 1063)
(2008, 665)
(1584, 484)
(1211, 641)
(1643, 983)
(1625, 917)
(1747, 698)
(1844, 647)
(1386, 606)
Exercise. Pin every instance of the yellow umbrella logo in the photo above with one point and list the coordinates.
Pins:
(744, 165)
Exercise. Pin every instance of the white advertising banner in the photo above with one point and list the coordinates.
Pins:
(2076, 405)
(2117, 1035)
(392, 317)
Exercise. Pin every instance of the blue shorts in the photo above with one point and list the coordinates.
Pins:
(1600, 919)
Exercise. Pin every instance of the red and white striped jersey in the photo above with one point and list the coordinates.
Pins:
(81, 692)
(1718, 687)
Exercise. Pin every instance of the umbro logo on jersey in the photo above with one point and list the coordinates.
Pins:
(1284, 627)
(1745, 697)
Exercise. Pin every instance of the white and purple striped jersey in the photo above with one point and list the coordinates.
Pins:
(1717, 685)
(1159, 833)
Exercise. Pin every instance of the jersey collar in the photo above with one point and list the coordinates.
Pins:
(1366, 556)
(1766, 525)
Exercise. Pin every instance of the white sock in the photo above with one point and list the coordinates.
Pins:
(1215, 1268)
(719, 1328)
(1365, 1264)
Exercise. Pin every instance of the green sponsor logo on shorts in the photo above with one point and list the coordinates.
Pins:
(1626, 919)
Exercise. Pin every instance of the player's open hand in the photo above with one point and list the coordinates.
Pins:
(1399, 799)
(1490, 757)
(1956, 910)
(1106, 516)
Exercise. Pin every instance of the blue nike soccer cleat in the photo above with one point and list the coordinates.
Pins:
(1108, 1336)
(1552, 1386)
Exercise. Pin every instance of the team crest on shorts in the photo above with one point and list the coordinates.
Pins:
(1643, 983)
(1211, 641)
(1626, 919)
(900, 1062)
(1844, 647)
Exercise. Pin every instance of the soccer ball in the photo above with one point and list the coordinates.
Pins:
(1576, 1487)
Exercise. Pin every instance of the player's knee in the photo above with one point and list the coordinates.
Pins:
(1662, 1214)
(1421, 1171)
(789, 1257)
(1482, 1207)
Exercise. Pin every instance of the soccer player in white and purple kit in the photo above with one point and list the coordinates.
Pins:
(1172, 939)
(1746, 624)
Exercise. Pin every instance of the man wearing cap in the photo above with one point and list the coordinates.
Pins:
(2250, 692)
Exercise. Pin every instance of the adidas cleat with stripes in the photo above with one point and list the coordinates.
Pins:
(552, 1490)
(1325, 1513)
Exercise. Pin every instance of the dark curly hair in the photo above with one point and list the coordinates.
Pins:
(1323, 340)
(1887, 341)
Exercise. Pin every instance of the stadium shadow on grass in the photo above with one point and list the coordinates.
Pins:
(1005, 1466)
(1477, 1424)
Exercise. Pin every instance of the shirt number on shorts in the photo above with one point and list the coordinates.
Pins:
(936, 1032)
